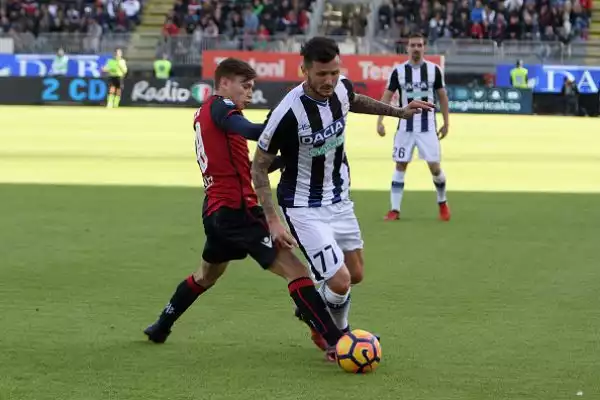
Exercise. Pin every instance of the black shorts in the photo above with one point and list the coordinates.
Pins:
(116, 82)
(234, 234)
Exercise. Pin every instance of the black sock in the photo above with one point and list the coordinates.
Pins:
(186, 293)
(313, 309)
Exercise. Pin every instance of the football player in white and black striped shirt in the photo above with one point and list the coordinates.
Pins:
(308, 129)
(417, 79)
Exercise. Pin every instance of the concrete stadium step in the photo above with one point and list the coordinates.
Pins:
(593, 52)
(157, 8)
(141, 54)
(149, 29)
(153, 19)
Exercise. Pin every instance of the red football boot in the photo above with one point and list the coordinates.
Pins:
(392, 215)
(444, 211)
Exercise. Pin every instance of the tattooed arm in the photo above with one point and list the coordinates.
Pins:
(366, 105)
(281, 124)
(262, 185)
(361, 104)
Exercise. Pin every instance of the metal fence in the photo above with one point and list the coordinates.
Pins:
(187, 49)
(74, 43)
(492, 51)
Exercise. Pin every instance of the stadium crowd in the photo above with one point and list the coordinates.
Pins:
(260, 18)
(92, 17)
(546, 20)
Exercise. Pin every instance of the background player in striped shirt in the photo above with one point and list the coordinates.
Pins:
(234, 223)
(417, 79)
(308, 128)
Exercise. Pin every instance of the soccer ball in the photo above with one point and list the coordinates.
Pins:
(358, 352)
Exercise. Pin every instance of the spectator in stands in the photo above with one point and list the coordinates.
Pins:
(235, 25)
(191, 21)
(170, 29)
(498, 30)
(251, 22)
(4, 22)
(132, 11)
(513, 30)
(385, 15)
(477, 14)
(60, 64)
(437, 27)
(493, 19)
(513, 6)
(91, 43)
(570, 95)
(461, 27)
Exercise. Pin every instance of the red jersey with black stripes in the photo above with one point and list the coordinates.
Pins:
(222, 157)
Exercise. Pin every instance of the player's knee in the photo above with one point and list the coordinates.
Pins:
(340, 282)
(357, 276)
(208, 274)
(288, 266)
(401, 166)
(435, 168)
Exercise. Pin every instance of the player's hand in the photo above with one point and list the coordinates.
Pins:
(443, 132)
(381, 129)
(416, 107)
(281, 236)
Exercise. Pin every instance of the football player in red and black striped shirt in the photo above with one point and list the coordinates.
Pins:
(234, 223)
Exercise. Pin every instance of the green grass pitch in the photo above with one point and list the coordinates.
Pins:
(100, 220)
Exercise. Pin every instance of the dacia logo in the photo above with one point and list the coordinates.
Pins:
(415, 86)
(319, 137)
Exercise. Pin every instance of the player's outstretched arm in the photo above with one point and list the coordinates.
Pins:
(366, 105)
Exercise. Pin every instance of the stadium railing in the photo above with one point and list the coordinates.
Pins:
(74, 42)
(187, 49)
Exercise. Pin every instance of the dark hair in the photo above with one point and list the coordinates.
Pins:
(320, 49)
(232, 67)
(416, 35)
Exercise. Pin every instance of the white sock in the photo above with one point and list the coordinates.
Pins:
(397, 189)
(338, 304)
(440, 186)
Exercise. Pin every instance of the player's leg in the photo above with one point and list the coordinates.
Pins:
(304, 294)
(301, 287)
(428, 145)
(111, 95)
(404, 144)
(313, 229)
(349, 239)
(118, 90)
(218, 251)
(185, 295)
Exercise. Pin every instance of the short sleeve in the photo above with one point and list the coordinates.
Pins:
(439, 79)
(349, 87)
(281, 124)
(393, 83)
(220, 109)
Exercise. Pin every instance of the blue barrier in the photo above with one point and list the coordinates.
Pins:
(38, 65)
(550, 78)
